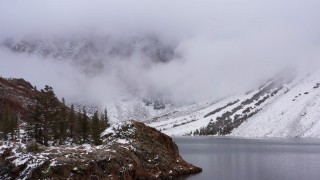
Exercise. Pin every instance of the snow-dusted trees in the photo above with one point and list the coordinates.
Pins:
(104, 120)
(95, 128)
(50, 109)
(49, 121)
(46, 117)
(98, 125)
(84, 127)
(61, 125)
(52, 122)
(35, 122)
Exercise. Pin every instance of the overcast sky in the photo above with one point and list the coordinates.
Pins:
(224, 46)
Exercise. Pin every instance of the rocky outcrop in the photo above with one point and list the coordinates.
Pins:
(15, 97)
(130, 150)
(16, 94)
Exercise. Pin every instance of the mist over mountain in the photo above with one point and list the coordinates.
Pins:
(107, 51)
(93, 53)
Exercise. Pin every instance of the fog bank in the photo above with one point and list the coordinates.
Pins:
(219, 47)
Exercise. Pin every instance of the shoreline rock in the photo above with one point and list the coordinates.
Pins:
(130, 150)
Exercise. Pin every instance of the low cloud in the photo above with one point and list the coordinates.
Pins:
(220, 47)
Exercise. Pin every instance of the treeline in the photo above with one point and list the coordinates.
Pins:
(220, 127)
(224, 124)
(51, 122)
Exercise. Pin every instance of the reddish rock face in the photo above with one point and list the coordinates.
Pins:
(157, 155)
(17, 94)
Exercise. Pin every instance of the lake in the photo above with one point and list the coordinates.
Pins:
(252, 159)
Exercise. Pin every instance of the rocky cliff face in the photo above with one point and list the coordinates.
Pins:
(16, 94)
(130, 150)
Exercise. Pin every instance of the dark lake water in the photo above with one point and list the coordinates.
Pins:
(252, 159)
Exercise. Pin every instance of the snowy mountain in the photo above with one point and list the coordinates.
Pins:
(294, 114)
(287, 106)
(284, 106)
(94, 53)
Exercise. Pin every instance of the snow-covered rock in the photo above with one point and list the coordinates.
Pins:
(130, 150)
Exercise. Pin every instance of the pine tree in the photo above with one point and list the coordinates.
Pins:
(78, 128)
(104, 122)
(44, 117)
(71, 123)
(62, 124)
(35, 128)
(96, 129)
(50, 113)
(85, 129)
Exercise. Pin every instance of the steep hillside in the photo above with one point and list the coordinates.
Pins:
(210, 118)
(27, 113)
(294, 114)
(286, 106)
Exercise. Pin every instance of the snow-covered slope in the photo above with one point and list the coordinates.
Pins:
(138, 109)
(232, 109)
(184, 120)
(283, 107)
(294, 114)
